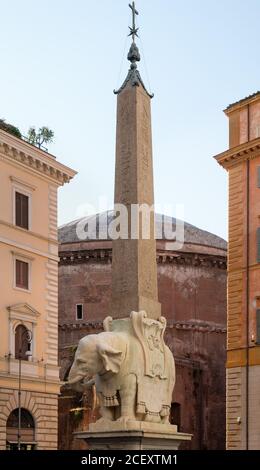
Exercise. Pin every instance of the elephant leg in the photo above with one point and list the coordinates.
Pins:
(107, 412)
(128, 398)
(165, 415)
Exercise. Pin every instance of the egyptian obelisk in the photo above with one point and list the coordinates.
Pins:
(133, 369)
(134, 271)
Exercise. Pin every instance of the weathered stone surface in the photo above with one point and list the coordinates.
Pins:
(131, 367)
(133, 436)
(134, 280)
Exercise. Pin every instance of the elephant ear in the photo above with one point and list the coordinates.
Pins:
(111, 358)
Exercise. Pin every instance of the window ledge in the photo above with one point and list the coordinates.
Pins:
(20, 289)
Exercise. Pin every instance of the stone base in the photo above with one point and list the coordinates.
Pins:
(133, 435)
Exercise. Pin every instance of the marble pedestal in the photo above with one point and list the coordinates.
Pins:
(133, 435)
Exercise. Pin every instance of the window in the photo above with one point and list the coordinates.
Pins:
(258, 245)
(21, 274)
(79, 312)
(258, 326)
(22, 343)
(21, 210)
(27, 430)
(258, 176)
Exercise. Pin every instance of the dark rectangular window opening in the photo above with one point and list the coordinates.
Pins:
(258, 245)
(258, 326)
(175, 415)
(22, 274)
(79, 312)
(21, 210)
(258, 177)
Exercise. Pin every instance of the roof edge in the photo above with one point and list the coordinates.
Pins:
(238, 104)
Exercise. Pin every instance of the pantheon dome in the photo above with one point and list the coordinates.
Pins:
(192, 291)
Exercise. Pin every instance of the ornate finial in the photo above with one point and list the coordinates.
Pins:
(133, 30)
(133, 76)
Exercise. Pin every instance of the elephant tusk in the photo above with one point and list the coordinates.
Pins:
(75, 380)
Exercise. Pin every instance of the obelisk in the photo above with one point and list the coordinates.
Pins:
(134, 271)
(132, 368)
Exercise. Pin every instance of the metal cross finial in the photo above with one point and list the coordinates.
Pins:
(133, 29)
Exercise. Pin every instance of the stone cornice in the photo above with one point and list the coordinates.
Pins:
(16, 150)
(170, 257)
(235, 155)
(190, 325)
(53, 241)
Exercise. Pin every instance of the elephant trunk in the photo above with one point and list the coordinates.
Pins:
(75, 376)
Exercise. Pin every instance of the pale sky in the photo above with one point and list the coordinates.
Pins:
(61, 60)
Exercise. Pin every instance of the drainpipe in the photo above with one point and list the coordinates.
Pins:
(247, 281)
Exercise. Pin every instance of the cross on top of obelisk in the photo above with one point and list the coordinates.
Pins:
(133, 77)
(133, 29)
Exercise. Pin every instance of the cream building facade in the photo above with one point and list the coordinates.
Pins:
(29, 181)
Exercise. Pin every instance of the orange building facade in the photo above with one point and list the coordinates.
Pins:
(242, 161)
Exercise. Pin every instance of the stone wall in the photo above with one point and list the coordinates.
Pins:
(44, 409)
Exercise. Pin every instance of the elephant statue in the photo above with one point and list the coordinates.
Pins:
(132, 368)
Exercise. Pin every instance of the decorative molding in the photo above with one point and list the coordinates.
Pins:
(177, 258)
(35, 159)
(194, 325)
(23, 183)
(133, 77)
(24, 308)
(29, 232)
(29, 249)
(233, 156)
(51, 331)
(26, 315)
(22, 256)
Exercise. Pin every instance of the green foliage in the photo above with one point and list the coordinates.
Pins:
(44, 135)
(10, 128)
(77, 413)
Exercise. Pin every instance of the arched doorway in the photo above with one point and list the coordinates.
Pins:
(27, 431)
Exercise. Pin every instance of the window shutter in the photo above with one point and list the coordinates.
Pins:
(258, 326)
(258, 245)
(22, 210)
(25, 275)
(258, 176)
(18, 209)
(18, 274)
(22, 274)
(25, 212)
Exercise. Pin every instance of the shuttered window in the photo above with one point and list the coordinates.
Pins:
(22, 274)
(22, 210)
(258, 326)
(258, 175)
(258, 245)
